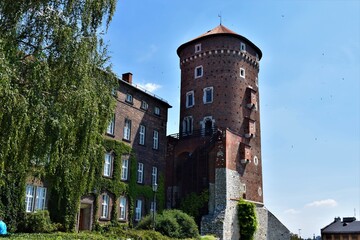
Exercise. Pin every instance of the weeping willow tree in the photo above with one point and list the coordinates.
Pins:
(55, 100)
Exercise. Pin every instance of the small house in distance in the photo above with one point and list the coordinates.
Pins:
(348, 229)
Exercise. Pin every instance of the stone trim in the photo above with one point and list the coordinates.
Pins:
(244, 55)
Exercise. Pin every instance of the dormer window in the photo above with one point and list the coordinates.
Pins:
(198, 48)
(242, 47)
(129, 98)
(198, 71)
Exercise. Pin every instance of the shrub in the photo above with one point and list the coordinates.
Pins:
(188, 227)
(146, 222)
(247, 219)
(172, 223)
(195, 204)
(167, 225)
(39, 222)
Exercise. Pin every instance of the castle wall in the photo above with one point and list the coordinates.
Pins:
(269, 227)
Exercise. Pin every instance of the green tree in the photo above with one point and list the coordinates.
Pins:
(55, 100)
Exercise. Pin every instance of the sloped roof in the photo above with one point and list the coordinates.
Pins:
(218, 30)
(221, 30)
(339, 226)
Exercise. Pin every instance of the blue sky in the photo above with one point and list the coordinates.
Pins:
(309, 90)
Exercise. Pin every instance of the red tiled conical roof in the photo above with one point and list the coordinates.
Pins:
(218, 30)
(221, 30)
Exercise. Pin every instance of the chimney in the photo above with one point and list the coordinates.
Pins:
(127, 77)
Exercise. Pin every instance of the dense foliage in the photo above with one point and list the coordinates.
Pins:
(195, 204)
(172, 223)
(55, 100)
(247, 219)
(39, 222)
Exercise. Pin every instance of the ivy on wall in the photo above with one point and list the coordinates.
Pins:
(137, 191)
(247, 219)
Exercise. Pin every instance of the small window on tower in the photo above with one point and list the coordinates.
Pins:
(198, 71)
(190, 99)
(242, 72)
(208, 95)
(242, 47)
(198, 48)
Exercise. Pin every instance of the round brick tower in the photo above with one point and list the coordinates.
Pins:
(219, 89)
(218, 69)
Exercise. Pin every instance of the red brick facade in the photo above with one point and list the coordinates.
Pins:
(219, 90)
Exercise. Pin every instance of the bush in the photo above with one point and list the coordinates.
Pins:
(195, 204)
(39, 222)
(172, 223)
(247, 219)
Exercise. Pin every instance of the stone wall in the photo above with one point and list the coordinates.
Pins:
(222, 221)
(270, 228)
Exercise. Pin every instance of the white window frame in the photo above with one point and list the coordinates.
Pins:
(156, 139)
(142, 132)
(129, 98)
(154, 174)
(192, 96)
(138, 210)
(242, 72)
(108, 162)
(144, 105)
(40, 198)
(157, 111)
(111, 127)
(124, 169)
(140, 173)
(198, 48)
(242, 47)
(127, 129)
(196, 71)
(206, 90)
(188, 125)
(105, 203)
(122, 208)
(35, 198)
(29, 198)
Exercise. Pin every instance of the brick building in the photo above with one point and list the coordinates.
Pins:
(219, 144)
(139, 121)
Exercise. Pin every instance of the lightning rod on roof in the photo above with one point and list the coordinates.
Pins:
(219, 15)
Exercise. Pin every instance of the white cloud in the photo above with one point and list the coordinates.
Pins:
(151, 87)
(323, 203)
(291, 211)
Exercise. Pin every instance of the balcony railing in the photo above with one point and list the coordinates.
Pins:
(204, 132)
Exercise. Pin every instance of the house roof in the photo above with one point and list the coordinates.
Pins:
(221, 30)
(348, 225)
